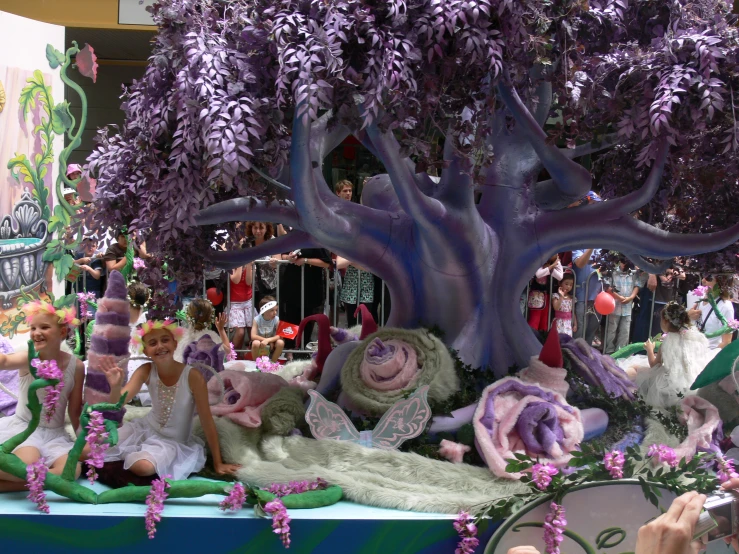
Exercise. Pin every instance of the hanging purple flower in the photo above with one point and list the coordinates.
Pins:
(232, 353)
(35, 477)
(542, 475)
(280, 520)
(465, 526)
(86, 62)
(726, 469)
(48, 369)
(235, 499)
(554, 526)
(664, 454)
(296, 487)
(614, 462)
(84, 298)
(265, 365)
(155, 504)
(96, 439)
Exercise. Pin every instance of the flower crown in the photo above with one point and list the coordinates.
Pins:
(673, 312)
(67, 316)
(152, 325)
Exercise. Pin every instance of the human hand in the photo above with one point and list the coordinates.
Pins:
(113, 373)
(226, 469)
(732, 485)
(672, 532)
(523, 550)
(299, 261)
(625, 300)
(85, 260)
(649, 346)
(694, 314)
(272, 263)
(221, 321)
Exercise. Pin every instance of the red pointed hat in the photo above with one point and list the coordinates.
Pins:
(324, 338)
(551, 354)
(369, 325)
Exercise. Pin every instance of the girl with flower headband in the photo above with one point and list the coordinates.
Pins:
(162, 443)
(50, 441)
(683, 355)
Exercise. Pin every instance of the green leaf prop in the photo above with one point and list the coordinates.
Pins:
(718, 368)
(61, 118)
(55, 57)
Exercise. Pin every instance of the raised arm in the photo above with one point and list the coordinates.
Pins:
(16, 360)
(114, 375)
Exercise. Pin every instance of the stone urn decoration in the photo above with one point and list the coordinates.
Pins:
(23, 239)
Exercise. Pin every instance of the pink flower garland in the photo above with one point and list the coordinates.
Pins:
(554, 525)
(35, 477)
(296, 487)
(541, 475)
(733, 323)
(664, 454)
(232, 353)
(48, 369)
(265, 365)
(138, 263)
(155, 504)
(280, 520)
(614, 462)
(84, 298)
(96, 439)
(465, 526)
(235, 499)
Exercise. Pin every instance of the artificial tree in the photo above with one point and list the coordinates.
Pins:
(243, 100)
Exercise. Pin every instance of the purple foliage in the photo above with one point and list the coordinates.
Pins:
(648, 86)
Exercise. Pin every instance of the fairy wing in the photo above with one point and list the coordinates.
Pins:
(406, 419)
(328, 421)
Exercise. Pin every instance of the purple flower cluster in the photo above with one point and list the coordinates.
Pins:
(296, 487)
(35, 477)
(614, 462)
(664, 454)
(96, 439)
(280, 520)
(541, 475)
(701, 291)
(48, 369)
(138, 263)
(726, 469)
(84, 298)
(235, 499)
(733, 323)
(554, 526)
(465, 526)
(232, 353)
(265, 365)
(155, 504)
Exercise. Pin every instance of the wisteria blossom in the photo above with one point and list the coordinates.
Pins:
(35, 477)
(554, 526)
(266, 365)
(48, 369)
(663, 454)
(96, 439)
(280, 520)
(155, 504)
(614, 462)
(235, 499)
(541, 475)
(726, 470)
(296, 487)
(465, 526)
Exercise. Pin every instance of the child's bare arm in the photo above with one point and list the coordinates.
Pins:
(114, 375)
(16, 360)
(200, 395)
(221, 321)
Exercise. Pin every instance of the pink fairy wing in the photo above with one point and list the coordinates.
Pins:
(328, 421)
(406, 419)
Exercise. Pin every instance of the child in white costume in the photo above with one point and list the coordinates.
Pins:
(683, 355)
(50, 441)
(162, 443)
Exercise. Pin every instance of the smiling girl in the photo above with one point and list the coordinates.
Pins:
(162, 443)
(50, 442)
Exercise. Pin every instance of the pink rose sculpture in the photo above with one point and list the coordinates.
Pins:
(517, 417)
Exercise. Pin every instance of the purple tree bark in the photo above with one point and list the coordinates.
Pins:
(448, 261)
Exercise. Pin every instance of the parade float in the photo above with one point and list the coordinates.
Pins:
(454, 426)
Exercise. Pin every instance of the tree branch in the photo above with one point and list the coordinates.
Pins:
(416, 204)
(641, 197)
(591, 147)
(573, 181)
(249, 208)
(238, 258)
(316, 205)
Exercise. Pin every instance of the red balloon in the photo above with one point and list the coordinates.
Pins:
(605, 303)
(215, 297)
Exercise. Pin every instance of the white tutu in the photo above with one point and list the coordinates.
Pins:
(51, 443)
(684, 356)
(137, 440)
